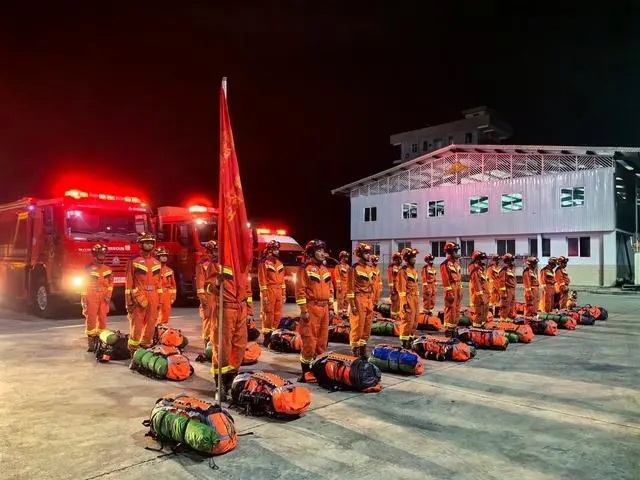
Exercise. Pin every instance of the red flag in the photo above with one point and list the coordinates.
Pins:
(235, 241)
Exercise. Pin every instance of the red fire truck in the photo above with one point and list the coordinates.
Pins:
(182, 231)
(45, 245)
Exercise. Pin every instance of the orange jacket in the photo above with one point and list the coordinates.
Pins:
(168, 281)
(392, 274)
(229, 295)
(206, 272)
(376, 278)
(429, 275)
(342, 275)
(314, 284)
(360, 280)
(450, 275)
(546, 276)
(562, 280)
(98, 279)
(476, 281)
(530, 279)
(507, 278)
(485, 281)
(271, 274)
(143, 273)
(407, 282)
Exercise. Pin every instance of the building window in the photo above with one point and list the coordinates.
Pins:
(376, 248)
(506, 246)
(572, 197)
(437, 143)
(414, 147)
(436, 208)
(437, 249)
(579, 247)
(450, 140)
(409, 210)
(478, 205)
(467, 247)
(403, 245)
(468, 137)
(533, 247)
(425, 145)
(511, 202)
(370, 214)
(546, 247)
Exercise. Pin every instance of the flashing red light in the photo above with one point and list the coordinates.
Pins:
(268, 231)
(78, 194)
(198, 209)
(281, 232)
(263, 231)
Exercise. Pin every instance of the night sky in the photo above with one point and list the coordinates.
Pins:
(131, 94)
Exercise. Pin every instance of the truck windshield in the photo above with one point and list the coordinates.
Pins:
(290, 258)
(207, 232)
(106, 222)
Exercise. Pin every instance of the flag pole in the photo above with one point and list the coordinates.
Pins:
(221, 293)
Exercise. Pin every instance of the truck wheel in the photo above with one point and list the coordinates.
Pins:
(43, 302)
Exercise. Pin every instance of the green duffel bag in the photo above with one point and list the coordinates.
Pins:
(384, 327)
(383, 309)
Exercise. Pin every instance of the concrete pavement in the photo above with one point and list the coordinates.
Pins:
(565, 407)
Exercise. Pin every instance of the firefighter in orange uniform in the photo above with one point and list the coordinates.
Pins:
(548, 282)
(507, 280)
(169, 290)
(531, 287)
(486, 292)
(392, 273)
(562, 282)
(96, 296)
(236, 308)
(376, 278)
(478, 288)
(272, 289)
(206, 271)
(407, 286)
(493, 272)
(314, 296)
(341, 276)
(451, 287)
(429, 279)
(360, 295)
(143, 287)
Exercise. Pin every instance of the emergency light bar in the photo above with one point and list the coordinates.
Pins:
(268, 231)
(78, 194)
(198, 209)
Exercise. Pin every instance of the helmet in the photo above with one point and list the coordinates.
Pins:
(478, 255)
(343, 254)
(361, 249)
(563, 260)
(532, 261)
(495, 258)
(552, 261)
(428, 258)
(211, 246)
(375, 258)
(313, 245)
(272, 245)
(507, 258)
(146, 237)
(396, 256)
(407, 253)
(162, 252)
(451, 247)
(98, 249)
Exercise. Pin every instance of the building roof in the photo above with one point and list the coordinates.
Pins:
(477, 163)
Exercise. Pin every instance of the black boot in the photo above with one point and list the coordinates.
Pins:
(307, 376)
(355, 351)
(91, 344)
(266, 340)
(226, 379)
(363, 352)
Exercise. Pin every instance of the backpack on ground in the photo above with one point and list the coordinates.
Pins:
(483, 337)
(339, 330)
(429, 323)
(169, 336)
(385, 327)
(383, 309)
(518, 331)
(441, 349)
(162, 362)
(253, 333)
(112, 345)
(262, 393)
(564, 320)
(285, 341)
(185, 420)
(252, 354)
(539, 327)
(289, 323)
(396, 360)
(344, 372)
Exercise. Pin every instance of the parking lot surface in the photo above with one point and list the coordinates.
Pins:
(565, 407)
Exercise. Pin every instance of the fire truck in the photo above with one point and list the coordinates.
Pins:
(183, 231)
(45, 245)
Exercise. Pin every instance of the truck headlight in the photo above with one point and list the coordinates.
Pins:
(77, 281)
(294, 277)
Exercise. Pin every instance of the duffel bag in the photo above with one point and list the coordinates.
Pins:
(437, 348)
(339, 332)
(162, 362)
(385, 327)
(289, 323)
(202, 426)
(262, 393)
(285, 341)
(112, 345)
(564, 321)
(396, 360)
(540, 327)
(383, 309)
(522, 332)
(585, 317)
(344, 372)
(252, 354)
(482, 337)
(465, 320)
(520, 308)
(429, 323)
(169, 336)
(253, 333)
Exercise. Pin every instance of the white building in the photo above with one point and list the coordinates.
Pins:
(580, 202)
(480, 125)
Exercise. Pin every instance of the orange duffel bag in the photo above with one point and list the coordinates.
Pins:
(345, 372)
(262, 393)
(522, 331)
(162, 362)
(285, 341)
(441, 349)
(429, 323)
(482, 337)
(540, 327)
